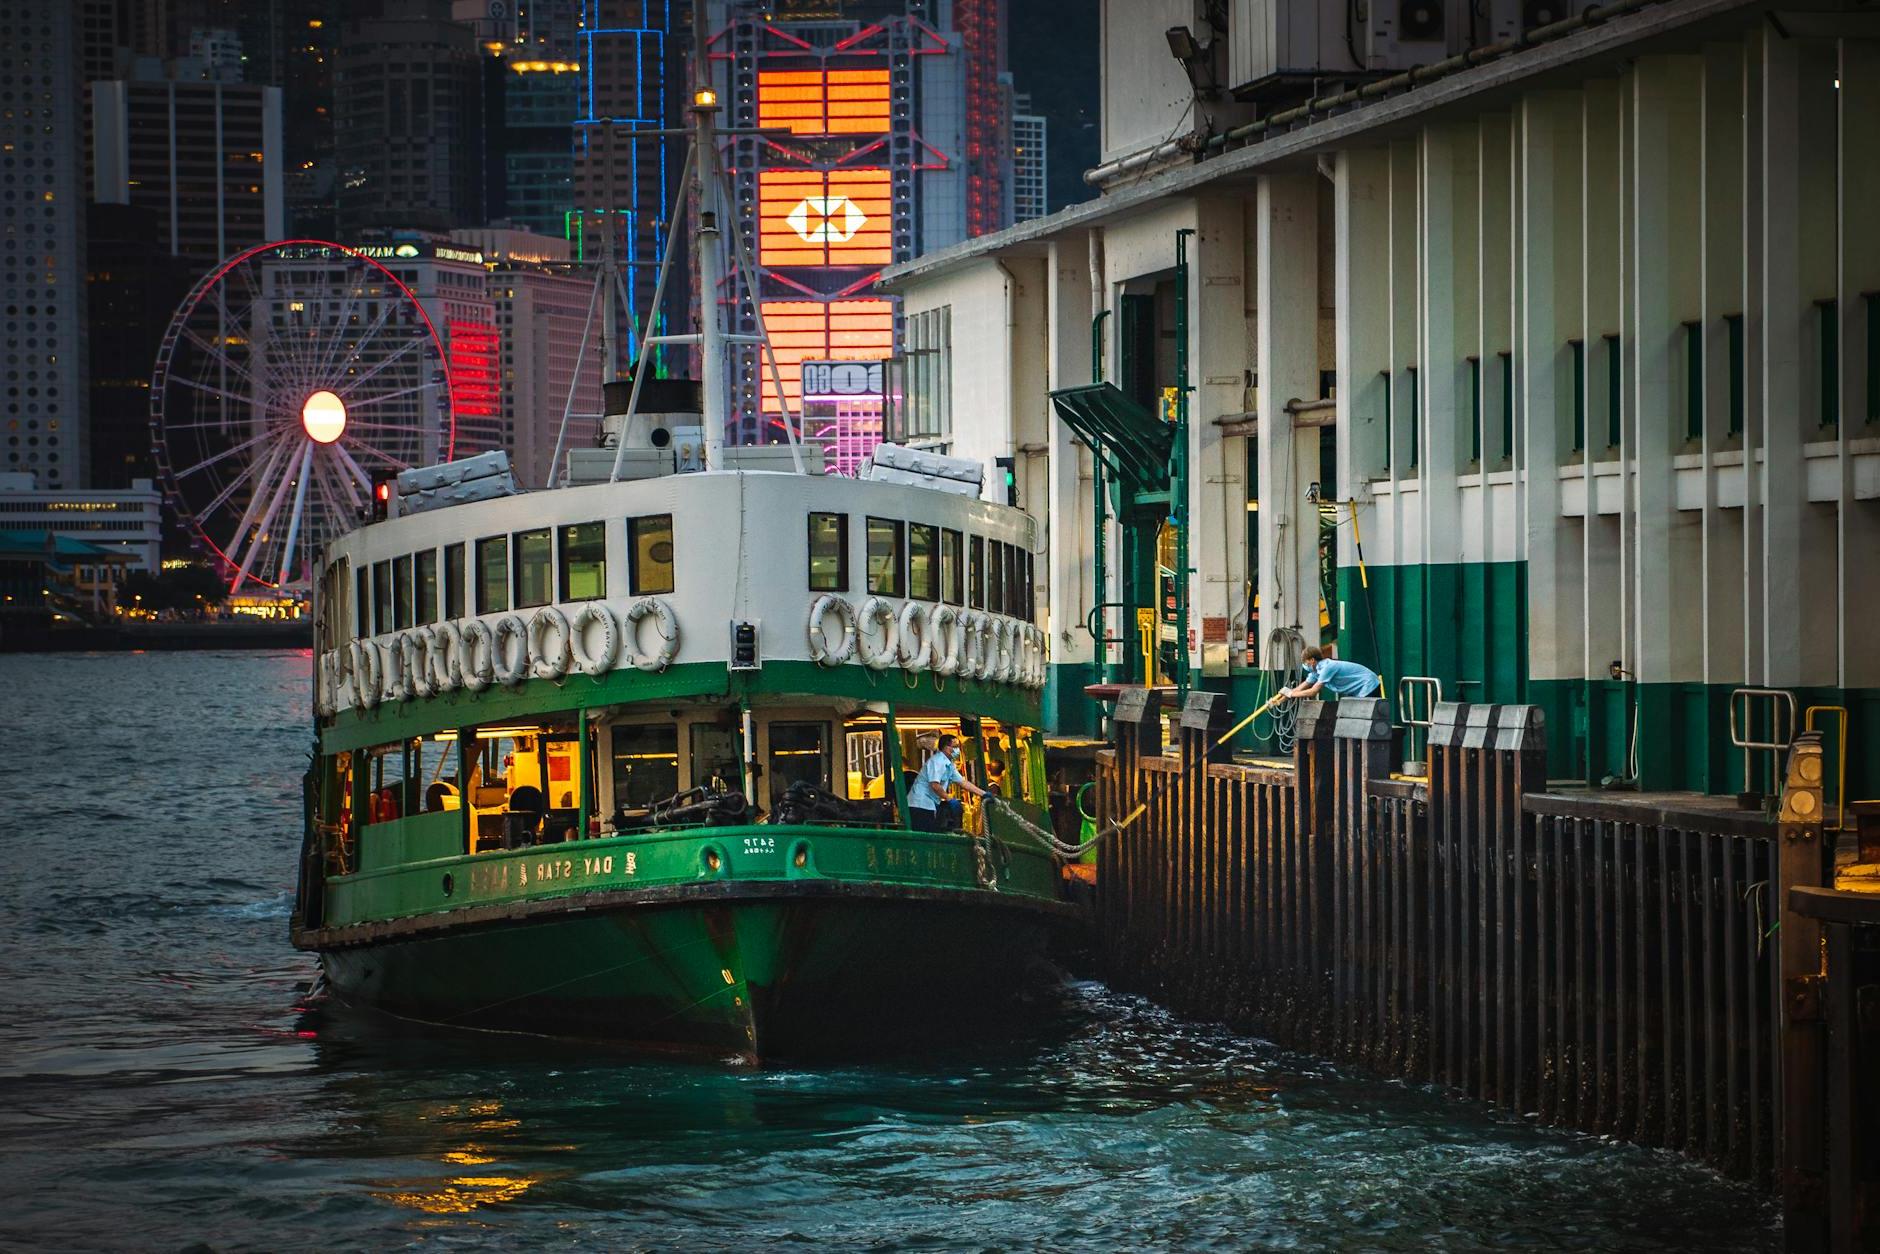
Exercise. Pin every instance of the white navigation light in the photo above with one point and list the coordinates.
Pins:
(324, 417)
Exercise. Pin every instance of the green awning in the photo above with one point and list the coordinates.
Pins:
(1133, 443)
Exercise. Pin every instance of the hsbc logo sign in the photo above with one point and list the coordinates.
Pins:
(826, 219)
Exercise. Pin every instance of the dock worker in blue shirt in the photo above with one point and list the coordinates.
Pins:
(1345, 679)
(930, 809)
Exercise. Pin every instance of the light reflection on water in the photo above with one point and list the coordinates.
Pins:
(160, 1085)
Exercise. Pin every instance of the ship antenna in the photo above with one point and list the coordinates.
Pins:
(702, 162)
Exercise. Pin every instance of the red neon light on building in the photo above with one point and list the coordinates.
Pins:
(475, 379)
(809, 330)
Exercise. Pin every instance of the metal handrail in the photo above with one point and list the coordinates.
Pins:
(1407, 688)
(1739, 733)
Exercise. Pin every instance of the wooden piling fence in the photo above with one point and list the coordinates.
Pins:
(1601, 965)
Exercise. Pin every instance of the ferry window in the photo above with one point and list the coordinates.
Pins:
(952, 569)
(1031, 589)
(493, 575)
(976, 572)
(424, 577)
(453, 581)
(532, 559)
(401, 593)
(381, 597)
(716, 762)
(649, 549)
(1014, 581)
(923, 562)
(362, 604)
(646, 764)
(828, 552)
(798, 751)
(995, 576)
(887, 545)
(583, 561)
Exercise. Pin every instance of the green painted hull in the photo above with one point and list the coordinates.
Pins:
(724, 941)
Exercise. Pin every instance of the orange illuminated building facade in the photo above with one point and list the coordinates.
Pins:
(823, 102)
(814, 330)
(825, 218)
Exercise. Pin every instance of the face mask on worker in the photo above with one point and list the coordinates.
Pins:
(953, 751)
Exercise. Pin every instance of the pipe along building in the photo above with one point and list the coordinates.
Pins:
(1535, 353)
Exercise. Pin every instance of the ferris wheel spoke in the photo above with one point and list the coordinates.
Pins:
(225, 394)
(264, 529)
(227, 453)
(219, 354)
(354, 385)
(358, 471)
(382, 456)
(286, 568)
(263, 484)
(335, 349)
(384, 396)
(339, 484)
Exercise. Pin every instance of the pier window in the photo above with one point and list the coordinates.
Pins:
(453, 581)
(1507, 405)
(401, 593)
(995, 577)
(1475, 410)
(828, 552)
(1828, 329)
(923, 562)
(798, 752)
(1579, 394)
(1615, 392)
(649, 554)
(534, 550)
(1416, 414)
(887, 550)
(493, 575)
(975, 573)
(424, 583)
(1733, 324)
(646, 764)
(381, 597)
(583, 561)
(952, 568)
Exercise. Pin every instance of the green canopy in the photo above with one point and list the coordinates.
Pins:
(1133, 443)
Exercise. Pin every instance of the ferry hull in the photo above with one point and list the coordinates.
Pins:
(753, 973)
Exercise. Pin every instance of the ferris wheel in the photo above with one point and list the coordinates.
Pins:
(293, 377)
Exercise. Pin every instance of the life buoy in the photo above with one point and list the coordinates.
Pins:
(943, 634)
(365, 675)
(416, 646)
(600, 661)
(479, 655)
(447, 657)
(966, 643)
(392, 666)
(820, 650)
(986, 654)
(549, 663)
(1004, 650)
(1040, 656)
(668, 626)
(508, 673)
(913, 642)
(874, 609)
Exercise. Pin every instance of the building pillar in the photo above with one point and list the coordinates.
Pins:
(1286, 266)
(1068, 520)
(1217, 493)
(1361, 252)
(1859, 157)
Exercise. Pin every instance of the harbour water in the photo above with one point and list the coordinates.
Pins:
(163, 1085)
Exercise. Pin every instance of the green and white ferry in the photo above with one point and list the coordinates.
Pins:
(628, 757)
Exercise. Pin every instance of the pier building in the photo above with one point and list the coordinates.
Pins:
(1536, 355)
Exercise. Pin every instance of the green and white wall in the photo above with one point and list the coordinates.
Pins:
(1607, 349)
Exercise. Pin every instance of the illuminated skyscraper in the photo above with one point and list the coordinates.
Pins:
(1030, 162)
(887, 153)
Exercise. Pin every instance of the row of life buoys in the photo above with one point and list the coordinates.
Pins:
(507, 650)
(941, 638)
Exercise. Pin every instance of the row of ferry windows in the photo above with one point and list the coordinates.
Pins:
(924, 563)
(521, 570)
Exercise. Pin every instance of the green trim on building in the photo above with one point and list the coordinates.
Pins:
(1464, 623)
(1067, 711)
(399, 720)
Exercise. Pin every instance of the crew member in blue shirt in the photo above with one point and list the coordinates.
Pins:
(931, 809)
(1345, 679)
